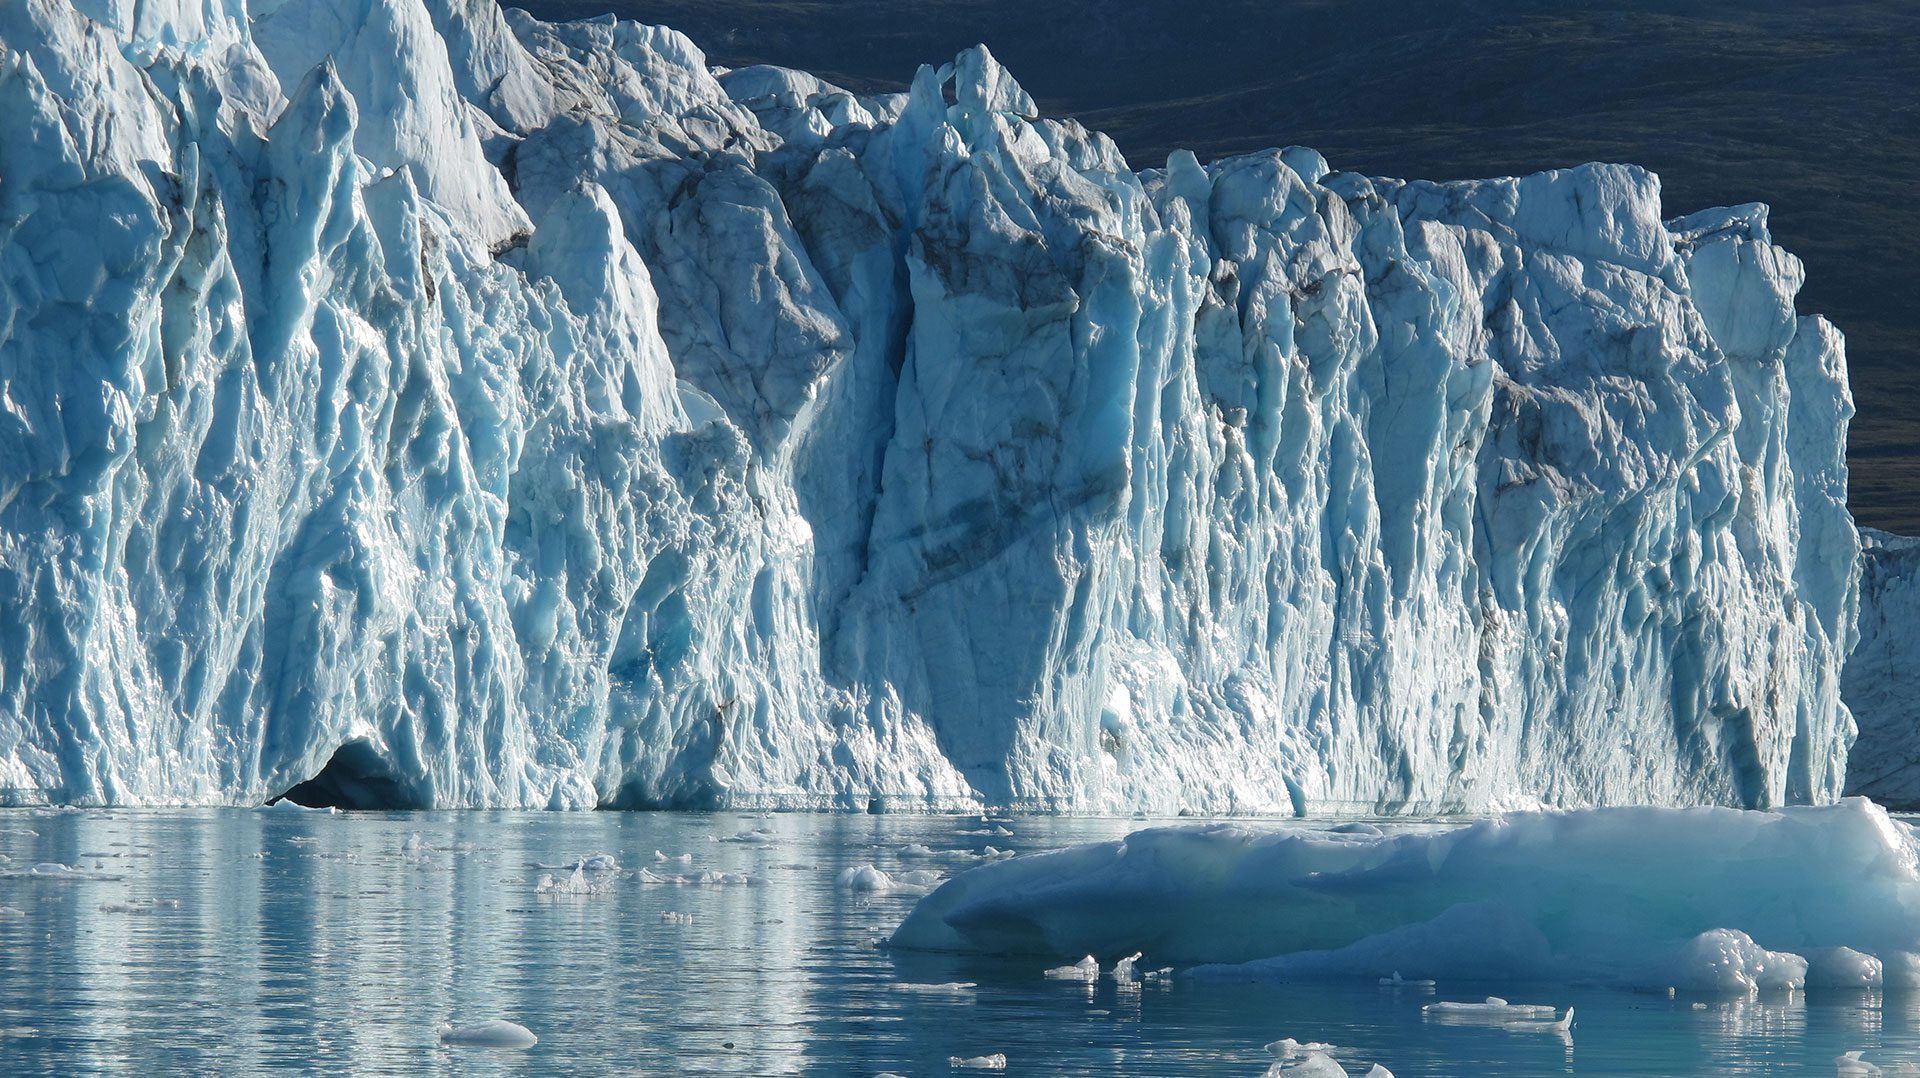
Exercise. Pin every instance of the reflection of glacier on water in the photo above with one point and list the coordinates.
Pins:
(345, 943)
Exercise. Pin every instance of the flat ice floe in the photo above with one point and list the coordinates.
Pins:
(497, 1033)
(1703, 899)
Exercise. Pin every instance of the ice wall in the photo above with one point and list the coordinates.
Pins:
(1882, 679)
(525, 414)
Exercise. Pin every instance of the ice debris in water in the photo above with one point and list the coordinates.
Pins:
(864, 878)
(57, 872)
(759, 836)
(995, 1062)
(1287, 1048)
(1397, 981)
(497, 1033)
(708, 878)
(661, 858)
(593, 864)
(1851, 1065)
(674, 917)
(577, 882)
(1634, 897)
(1123, 972)
(944, 988)
(1318, 1065)
(1493, 1008)
(286, 804)
(1087, 969)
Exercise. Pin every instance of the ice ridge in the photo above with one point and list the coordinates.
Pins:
(441, 407)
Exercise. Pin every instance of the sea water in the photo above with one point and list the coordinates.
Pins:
(232, 942)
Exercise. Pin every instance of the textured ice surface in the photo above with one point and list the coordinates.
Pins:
(450, 408)
(1706, 899)
(1882, 678)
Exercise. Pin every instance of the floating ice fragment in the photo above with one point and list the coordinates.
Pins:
(948, 988)
(1087, 969)
(1494, 1008)
(1851, 1065)
(1123, 969)
(575, 883)
(673, 917)
(757, 837)
(864, 878)
(704, 879)
(1288, 1048)
(9, 911)
(916, 851)
(1398, 981)
(287, 805)
(1310, 1065)
(593, 863)
(497, 1033)
(53, 870)
(995, 1062)
(661, 858)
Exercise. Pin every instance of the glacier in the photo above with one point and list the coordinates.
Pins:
(1709, 900)
(414, 403)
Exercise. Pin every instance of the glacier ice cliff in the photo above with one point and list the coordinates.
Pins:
(443, 407)
(1881, 683)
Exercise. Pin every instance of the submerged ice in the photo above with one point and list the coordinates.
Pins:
(407, 402)
(1704, 900)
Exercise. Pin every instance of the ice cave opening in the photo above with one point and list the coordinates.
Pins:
(357, 777)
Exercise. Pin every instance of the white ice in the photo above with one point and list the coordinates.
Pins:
(496, 1033)
(466, 410)
(1713, 900)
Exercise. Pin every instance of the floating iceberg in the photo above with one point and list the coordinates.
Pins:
(411, 403)
(497, 1033)
(1706, 899)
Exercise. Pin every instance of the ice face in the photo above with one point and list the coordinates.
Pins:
(564, 424)
(1882, 678)
(1702, 899)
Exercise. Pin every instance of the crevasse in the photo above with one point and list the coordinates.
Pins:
(456, 409)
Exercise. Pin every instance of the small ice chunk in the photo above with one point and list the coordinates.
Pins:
(673, 917)
(1288, 1048)
(1398, 981)
(759, 836)
(1123, 969)
(497, 1033)
(593, 863)
(1087, 969)
(1850, 1065)
(865, 878)
(947, 988)
(661, 858)
(995, 1062)
(917, 851)
(1311, 1065)
(1164, 973)
(575, 884)
(9, 911)
(287, 805)
(1495, 1009)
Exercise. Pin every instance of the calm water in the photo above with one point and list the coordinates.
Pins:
(236, 942)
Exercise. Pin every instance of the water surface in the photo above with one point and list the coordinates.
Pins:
(235, 942)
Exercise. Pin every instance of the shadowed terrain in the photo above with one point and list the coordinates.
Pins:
(1814, 109)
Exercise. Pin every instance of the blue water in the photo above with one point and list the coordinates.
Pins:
(239, 942)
